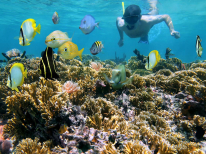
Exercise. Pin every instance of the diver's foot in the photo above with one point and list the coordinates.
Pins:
(144, 39)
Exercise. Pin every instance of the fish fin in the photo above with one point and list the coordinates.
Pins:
(38, 28)
(106, 77)
(144, 39)
(27, 44)
(80, 53)
(42, 53)
(17, 90)
(71, 37)
(66, 33)
(97, 24)
(127, 81)
(55, 75)
(16, 37)
(25, 73)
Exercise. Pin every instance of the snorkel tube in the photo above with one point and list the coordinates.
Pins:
(123, 7)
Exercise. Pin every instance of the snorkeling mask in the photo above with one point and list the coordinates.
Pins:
(132, 14)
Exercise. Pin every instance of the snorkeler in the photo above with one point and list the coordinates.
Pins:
(135, 24)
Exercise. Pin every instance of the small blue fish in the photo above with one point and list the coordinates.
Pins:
(88, 24)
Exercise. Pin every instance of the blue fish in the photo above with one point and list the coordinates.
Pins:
(88, 24)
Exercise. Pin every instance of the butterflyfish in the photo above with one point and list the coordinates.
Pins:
(28, 31)
(199, 48)
(152, 60)
(16, 76)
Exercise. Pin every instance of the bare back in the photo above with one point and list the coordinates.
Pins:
(141, 28)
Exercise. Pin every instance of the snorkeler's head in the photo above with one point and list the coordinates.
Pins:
(132, 14)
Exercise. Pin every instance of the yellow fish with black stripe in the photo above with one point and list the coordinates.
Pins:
(96, 47)
(152, 59)
(47, 67)
(28, 31)
(16, 76)
(69, 50)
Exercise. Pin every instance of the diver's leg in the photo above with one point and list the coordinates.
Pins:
(153, 7)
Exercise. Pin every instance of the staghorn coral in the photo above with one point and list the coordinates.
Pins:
(30, 146)
(37, 112)
(109, 149)
(100, 111)
(136, 148)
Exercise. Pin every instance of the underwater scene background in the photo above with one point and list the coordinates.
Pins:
(135, 99)
(188, 18)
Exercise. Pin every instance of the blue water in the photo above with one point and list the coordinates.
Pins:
(188, 16)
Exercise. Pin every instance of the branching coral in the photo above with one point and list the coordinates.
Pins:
(37, 112)
(102, 109)
(136, 148)
(30, 146)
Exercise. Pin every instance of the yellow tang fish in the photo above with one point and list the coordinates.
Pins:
(152, 59)
(28, 31)
(16, 76)
(69, 50)
(56, 39)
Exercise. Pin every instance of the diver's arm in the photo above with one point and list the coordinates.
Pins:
(167, 19)
(118, 24)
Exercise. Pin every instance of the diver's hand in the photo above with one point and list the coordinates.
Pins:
(176, 34)
(121, 43)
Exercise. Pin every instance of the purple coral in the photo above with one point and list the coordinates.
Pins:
(100, 83)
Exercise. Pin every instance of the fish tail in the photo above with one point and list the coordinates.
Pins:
(97, 25)
(106, 77)
(38, 28)
(80, 53)
(25, 73)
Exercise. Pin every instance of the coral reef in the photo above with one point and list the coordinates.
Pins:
(70, 87)
(37, 112)
(33, 146)
(162, 111)
(95, 65)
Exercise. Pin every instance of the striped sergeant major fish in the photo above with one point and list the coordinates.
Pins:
(47, 67)
(198, 46)
(96, 47)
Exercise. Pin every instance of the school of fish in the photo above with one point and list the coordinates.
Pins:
(69, 50)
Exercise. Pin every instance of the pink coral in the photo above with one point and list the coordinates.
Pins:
(95, 65)
(13, 53)
(70, 87)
